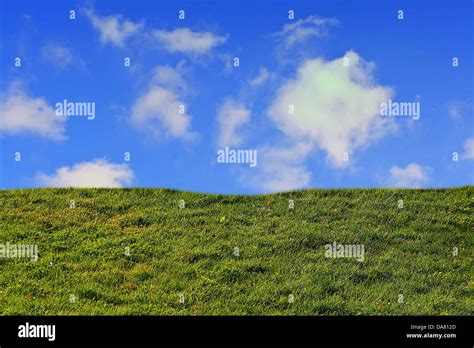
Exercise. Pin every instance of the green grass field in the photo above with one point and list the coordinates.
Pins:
(190, 253)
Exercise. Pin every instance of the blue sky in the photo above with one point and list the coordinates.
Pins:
(335, 62)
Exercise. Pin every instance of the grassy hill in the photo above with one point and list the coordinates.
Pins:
(190, 254)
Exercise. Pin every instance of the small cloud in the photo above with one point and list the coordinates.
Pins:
(113, 29)
(21, 114)
(26, 17)
(160, 110)
(457, 109)
(186, 41)
(227, 61)
(412, 175)
(97, 173)
(57, 55)
(279, 169)
(262, 77)
(170, 77)
(231, 116)
(468, 149)
(116, 30)
(304, 29)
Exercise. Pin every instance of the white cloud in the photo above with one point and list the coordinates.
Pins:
(186, 41)
(469, 149)
(161, 111)
(113, 29)
(279, 169)
(336, 108)
(281, 177)
(413, 175)
(158, 111)
(21, 114)
(97, 173)
(231, 116)
(304, 29)
(263, 75)
(57, 55)
(170, 77)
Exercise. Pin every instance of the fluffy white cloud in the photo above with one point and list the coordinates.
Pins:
(326, 106)
(469, 149)
(412, 175)
(57, 55)
(186, 41)
(279, 169)
(97, 173)
(335, 107)
(113, 29)
(304, 29)
(231, 116)
(21, 114)
(160, 110)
